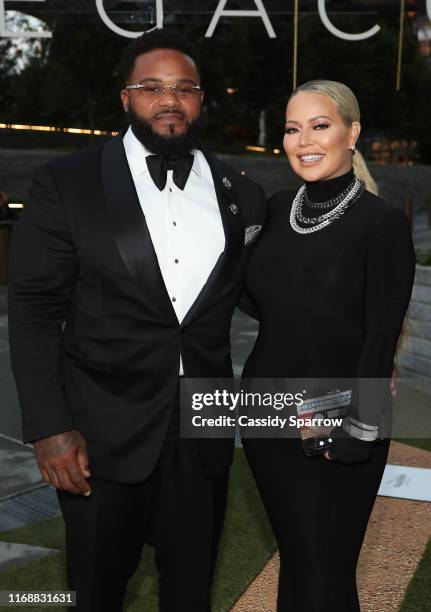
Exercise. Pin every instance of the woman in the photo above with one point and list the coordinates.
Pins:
(330, 291)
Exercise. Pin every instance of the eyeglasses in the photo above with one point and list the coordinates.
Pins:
(157, 90)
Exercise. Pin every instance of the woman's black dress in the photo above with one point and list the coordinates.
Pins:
(330, 304)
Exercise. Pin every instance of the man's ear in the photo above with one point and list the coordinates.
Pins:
(124, 94)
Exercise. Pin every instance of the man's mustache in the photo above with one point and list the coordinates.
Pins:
(170, 112)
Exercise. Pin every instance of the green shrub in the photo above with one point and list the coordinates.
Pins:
(423, 257)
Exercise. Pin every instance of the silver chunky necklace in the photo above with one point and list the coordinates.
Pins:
(318, 223)
(333, 201)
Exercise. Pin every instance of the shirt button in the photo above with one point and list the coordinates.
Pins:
(176, 261)
(170, 189)
(174, 299)
(175, 223)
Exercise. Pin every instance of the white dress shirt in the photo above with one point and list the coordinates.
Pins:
(185, 226)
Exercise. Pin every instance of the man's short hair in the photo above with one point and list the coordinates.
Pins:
(157, 39)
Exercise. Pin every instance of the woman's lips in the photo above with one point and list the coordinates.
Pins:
(310, 159)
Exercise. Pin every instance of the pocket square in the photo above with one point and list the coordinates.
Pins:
(251, 233)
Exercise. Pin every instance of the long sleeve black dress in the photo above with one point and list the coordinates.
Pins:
(330, 304)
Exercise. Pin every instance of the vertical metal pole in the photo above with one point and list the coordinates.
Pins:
(295, 44)
(400, 44)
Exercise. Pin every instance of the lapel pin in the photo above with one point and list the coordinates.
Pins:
(233, 209)
(227, 183)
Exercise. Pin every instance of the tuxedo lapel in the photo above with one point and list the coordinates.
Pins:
(230, 211)
(233, 226)
(130, 227)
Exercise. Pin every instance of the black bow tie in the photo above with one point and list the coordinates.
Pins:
(159, 166)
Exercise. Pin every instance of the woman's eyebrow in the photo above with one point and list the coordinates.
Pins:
(312, 119)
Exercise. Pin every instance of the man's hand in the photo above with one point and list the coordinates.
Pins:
(63, 461)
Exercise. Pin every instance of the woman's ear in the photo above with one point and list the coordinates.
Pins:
(355, 130)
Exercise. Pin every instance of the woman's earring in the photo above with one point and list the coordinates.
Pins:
(353, 147)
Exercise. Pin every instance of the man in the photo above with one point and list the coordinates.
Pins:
(126, 268)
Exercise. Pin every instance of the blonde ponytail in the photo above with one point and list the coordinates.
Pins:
(361, 171)
(348, 108)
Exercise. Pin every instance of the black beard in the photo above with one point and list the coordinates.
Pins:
(172, 147)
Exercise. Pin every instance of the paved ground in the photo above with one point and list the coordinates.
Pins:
(9, 421)
(421, 231)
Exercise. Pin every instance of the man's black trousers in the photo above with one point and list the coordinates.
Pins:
(176, 509)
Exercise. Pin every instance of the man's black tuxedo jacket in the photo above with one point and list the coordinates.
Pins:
(94, 339)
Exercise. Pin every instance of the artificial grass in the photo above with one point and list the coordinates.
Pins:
(49, 534)
(418, 595)
(412, 406)
(247, 544)
(423, 443)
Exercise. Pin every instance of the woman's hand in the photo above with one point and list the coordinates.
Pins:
(347, 449)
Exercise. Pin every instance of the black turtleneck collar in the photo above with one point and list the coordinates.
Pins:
(320, 191)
